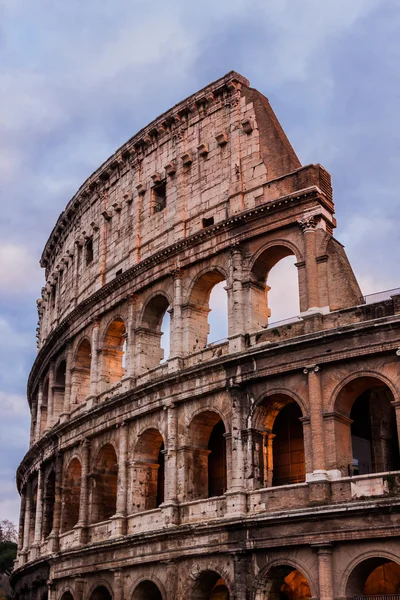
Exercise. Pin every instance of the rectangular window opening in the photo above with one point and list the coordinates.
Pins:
(207, 222)
(159, 197)
(89, 251)
(119, 272)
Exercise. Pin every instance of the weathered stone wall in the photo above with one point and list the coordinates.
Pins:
(228, 470)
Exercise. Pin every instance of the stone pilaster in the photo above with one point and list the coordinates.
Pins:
(325, 572)
(67, 391)
(82, 524)
(308, 226)
(27, 516)
(50, 400)
(55, 532)
(39, 411)
(94, 363)
(39, 508)
(119, 519)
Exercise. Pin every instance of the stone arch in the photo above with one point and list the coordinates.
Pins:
(112, 352)
(149, 331)
(104, 484)
(357, 580)
(49, 498)
(277, 441)
(147, 590)
(206, 462)
(366, 437)
(196, 309)
(262, 263)
(71, 494)
(210, 584)
(66, 594)
(80, 379)
(334, 403)
(152, 578)
(101, 590)
(284, 578)
(149, 470)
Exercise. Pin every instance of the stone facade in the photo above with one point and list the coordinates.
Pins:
(265, 466)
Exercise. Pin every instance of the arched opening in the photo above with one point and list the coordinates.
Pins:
(206, 460)
(274, 288)
(71, 495)
(277, 442)
(196, 312)
(44, 409)
(59, 388)
(217, 461)
(155, 319)
(81, 372)
(112, 355)
(101, 593)
(369, 442)
(283, 582)
(149, 476)
(67, 596)
(218, 315)
(210, 586)
(147, 590)
(49, 499)
(104, 485)
(374, 577)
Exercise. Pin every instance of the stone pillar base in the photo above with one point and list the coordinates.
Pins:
(170, 512)
(319, 492)
(176, 363)
(64, 417)
(81, 534)
(118, 525)
(236, 503)
(54, 543)
(237, 343)
(91, 401)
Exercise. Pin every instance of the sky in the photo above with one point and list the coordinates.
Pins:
(77, 79)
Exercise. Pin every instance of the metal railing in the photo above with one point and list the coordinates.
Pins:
(378, 597)
(380, 296)
(288, 321)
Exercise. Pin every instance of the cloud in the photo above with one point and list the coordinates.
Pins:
(13, 405)
(20, 272)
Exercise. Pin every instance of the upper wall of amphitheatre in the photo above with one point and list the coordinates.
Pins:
(216, 154)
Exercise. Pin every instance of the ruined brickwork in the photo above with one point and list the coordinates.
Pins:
(262, 467)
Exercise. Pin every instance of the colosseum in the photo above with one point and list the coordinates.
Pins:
(263, 466)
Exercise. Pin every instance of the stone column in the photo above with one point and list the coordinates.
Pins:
(130, 362)
(27, 516)
(77, 254)
(119, 519)
(325, 572)
(94, 366)
(308, 225)
(67, 391)
(317, 423)
(176, 329)
(55, 532)
(170, 504)
(32, 437)
(236, 303)
(21, 521)
(39, 508)
(50, 400)
(82, 524)
(39, 411)
(79, 587)
(396, 405)
(236, 497)
(118, 585)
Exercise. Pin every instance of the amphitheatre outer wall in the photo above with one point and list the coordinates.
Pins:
(240, 469)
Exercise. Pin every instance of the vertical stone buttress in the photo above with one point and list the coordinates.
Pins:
(317, 423)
